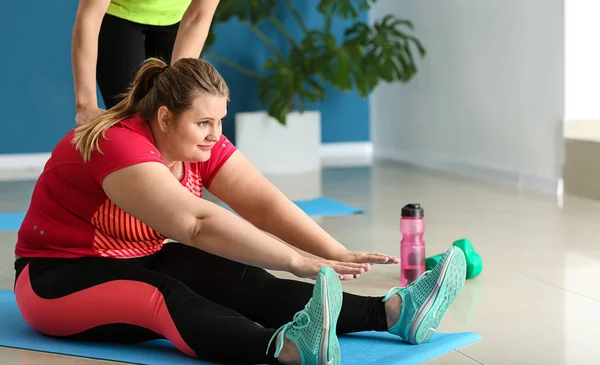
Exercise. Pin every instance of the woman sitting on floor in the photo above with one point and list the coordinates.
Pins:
(92, 262)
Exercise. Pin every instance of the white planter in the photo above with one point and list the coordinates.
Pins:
(277, 149)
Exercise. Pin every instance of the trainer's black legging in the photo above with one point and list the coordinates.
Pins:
(207, 306)
(122, 48)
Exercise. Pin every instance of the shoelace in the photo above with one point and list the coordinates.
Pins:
(301, 320)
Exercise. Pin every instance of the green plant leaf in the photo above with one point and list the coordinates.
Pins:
(252, 11)
(346, 9)
(317, 50)
(285, 85)
(367, 54)
(339, 65)
(211, 38)
(387, 50)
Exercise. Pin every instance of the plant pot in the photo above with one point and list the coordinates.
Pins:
(277, 149)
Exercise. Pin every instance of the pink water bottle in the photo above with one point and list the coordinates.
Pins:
(412, 246)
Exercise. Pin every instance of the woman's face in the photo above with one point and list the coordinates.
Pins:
(193, 133)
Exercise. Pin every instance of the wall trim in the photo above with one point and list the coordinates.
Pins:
(22, 166)
(514, 178)
(346, 154)
(29, 166)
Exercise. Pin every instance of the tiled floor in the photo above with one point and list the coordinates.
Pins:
(536, 302)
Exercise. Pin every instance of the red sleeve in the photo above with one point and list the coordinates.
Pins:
(218, 155)
(122, 147)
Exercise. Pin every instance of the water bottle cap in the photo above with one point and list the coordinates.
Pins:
(413, 210)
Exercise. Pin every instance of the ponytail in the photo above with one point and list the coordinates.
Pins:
(87, 137)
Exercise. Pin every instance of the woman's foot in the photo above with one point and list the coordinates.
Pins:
(314, 329)
(424, 302)
(289, 354)
(393, 309)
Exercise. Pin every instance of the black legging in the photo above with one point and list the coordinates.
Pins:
(211, 307)
(122, 48)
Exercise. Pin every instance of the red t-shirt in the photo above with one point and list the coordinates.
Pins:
(71, 216)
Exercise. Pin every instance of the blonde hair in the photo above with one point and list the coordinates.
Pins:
(155, 84)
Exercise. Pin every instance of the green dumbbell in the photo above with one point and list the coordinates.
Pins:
(474, 262)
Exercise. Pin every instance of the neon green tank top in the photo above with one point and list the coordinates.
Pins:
(151, 12)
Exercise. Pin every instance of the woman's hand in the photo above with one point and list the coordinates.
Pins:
(348, 256)
(306, 267)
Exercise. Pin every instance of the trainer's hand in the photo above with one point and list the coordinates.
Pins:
(86, 113)
(306, 267)
(364, 257)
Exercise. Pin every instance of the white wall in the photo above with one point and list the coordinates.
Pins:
(582, 59)
(489, 96)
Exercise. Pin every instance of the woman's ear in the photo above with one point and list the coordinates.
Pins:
(164, 118)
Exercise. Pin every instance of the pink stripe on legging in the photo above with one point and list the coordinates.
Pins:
(118, 301)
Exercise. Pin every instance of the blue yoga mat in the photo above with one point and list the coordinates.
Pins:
(11, 221)
(363, 348)
(323, 206)
(314, 207)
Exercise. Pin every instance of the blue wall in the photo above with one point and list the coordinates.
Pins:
(35, 71)
(37, 83)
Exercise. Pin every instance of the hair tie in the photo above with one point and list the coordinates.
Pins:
(164, 69)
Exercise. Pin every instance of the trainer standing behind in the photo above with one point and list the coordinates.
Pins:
(111, 39)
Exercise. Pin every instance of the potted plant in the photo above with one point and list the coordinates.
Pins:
(366, 55)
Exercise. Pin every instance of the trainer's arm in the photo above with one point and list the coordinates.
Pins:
(149, 192)
(193, 29)
(84, 50)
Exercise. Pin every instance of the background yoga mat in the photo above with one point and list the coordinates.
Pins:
(322, 206)
(326, 207)
(365, 348)
(314, 207)
(11, 221)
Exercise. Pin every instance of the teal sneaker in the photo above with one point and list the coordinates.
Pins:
(314, 329)
(426, 299)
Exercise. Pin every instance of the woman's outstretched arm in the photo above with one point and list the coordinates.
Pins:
(241, 186)
(149, 192)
